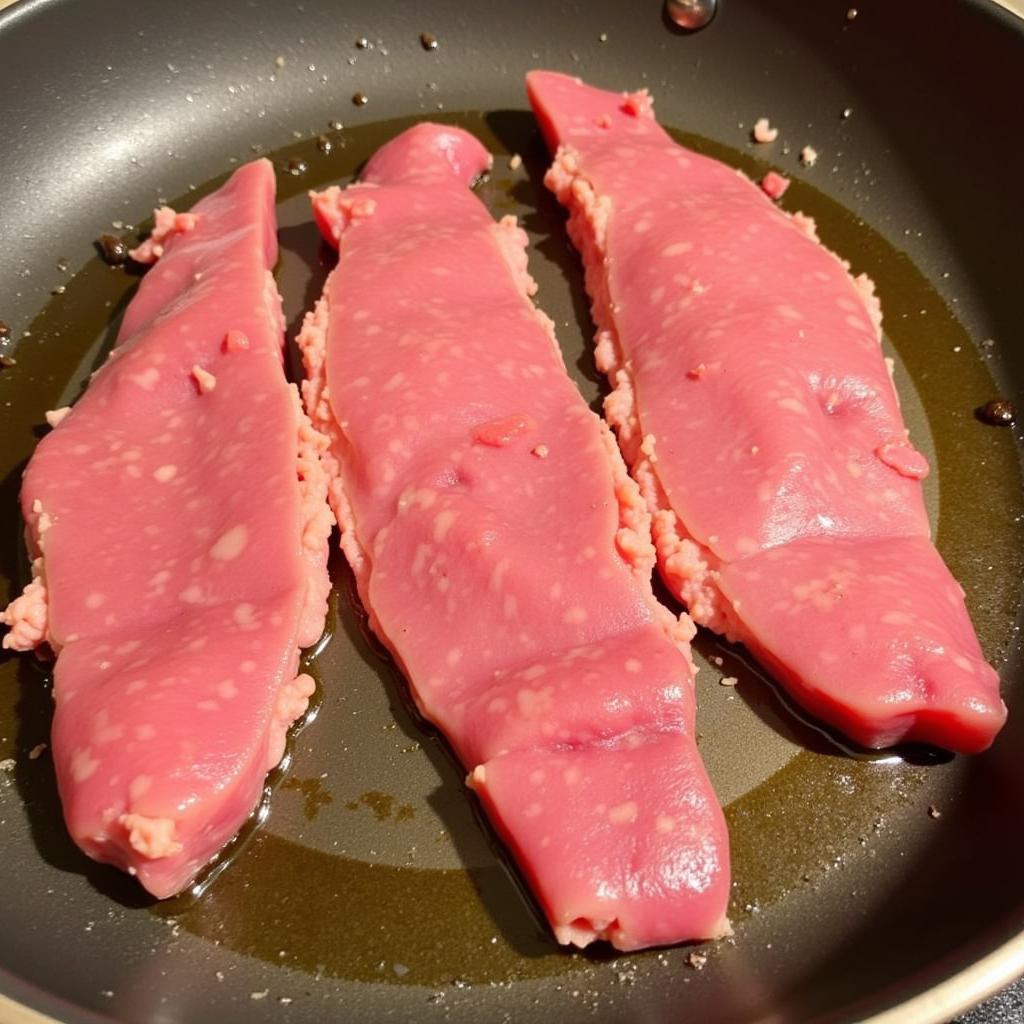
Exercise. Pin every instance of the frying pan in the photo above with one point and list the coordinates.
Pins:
(867, 886)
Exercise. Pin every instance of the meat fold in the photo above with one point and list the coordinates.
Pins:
(179, 521)
(753, 404)
(503, 553)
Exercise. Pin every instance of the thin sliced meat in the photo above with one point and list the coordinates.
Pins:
(754, 406)
(504, 555)
(179, 518)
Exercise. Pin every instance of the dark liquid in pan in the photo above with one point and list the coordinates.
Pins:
(380, 914)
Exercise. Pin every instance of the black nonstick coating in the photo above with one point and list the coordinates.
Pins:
(372, 893)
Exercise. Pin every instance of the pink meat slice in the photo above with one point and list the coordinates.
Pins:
(504, 554)
(758, 415)
(180, 521)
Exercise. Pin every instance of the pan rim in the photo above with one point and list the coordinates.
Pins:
(23, 1003)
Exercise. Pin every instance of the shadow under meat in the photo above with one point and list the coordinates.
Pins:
(505, 898)
(517, 131)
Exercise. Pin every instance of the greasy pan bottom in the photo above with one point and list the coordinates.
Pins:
(372, 889)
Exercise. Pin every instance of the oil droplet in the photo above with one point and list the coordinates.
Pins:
(691, 14)
(997, 413)
(113, 249)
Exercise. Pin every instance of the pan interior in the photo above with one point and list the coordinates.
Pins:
(372, 865)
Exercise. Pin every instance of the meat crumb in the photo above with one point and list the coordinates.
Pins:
(279, 62)
(774, 185)
(541, 451)
(235, 341)
(934, 812)
(205, 380)
(56, 416)
(808, 156)
(728, 681)
(647, 447)
(8, 764)
(763, 131)
(36, 752)
(697, 961)
(515, 162)
(260, 995)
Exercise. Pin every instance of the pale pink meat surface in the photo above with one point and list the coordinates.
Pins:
(182, 534)
(754, 405)
(504, 554)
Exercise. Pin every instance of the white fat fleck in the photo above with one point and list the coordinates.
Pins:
(676, 249)
(144, 732)
(633, 665)
(205, 380)
(226, 689)
(83, 764)
(537, 776)
(497, 579)
(623, 814)
(665, 824)
(139, 786)
(164, 473)
(208, 705)
(442, 524)
(575, 615)
(533, 810)
(147, 380)
(244, 615)
(572, 775)
(95, 600)
(247, 667)
(792, 405)
(897, 619)
(453, 657)
(191, 595)
(159, 579)
(230, 544)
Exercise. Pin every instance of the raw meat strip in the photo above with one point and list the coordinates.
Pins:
(180, 522)
(504, 554)
(759, 418)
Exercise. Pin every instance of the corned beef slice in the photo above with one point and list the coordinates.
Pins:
(504, 555)
(179, 516)
(754, 406)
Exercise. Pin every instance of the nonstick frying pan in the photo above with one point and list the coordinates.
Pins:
(886, 885)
